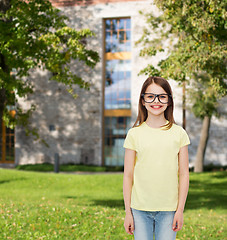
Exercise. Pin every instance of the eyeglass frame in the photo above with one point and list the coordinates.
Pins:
(156, 95)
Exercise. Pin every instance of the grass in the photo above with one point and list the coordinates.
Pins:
(37, 205)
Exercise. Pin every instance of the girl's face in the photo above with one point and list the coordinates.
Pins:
(155, 105)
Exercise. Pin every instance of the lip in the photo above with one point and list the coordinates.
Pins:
(156, 106)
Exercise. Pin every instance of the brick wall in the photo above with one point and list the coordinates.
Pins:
(65, 3)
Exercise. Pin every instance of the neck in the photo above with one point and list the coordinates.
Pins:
(156, 121)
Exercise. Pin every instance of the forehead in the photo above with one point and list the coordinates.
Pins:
(154, 88)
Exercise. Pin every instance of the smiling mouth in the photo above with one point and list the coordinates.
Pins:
(156, 106)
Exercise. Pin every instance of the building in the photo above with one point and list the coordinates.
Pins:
(91, 129)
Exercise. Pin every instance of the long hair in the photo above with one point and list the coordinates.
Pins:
(142, 111)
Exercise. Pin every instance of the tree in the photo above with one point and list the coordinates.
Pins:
(193, 35)
(35, 35)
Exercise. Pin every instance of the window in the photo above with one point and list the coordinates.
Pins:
(115, 131)
(118, 35)
(117, 102)
(6, 144)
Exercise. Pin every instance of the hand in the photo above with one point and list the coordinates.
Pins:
(129, 223)
(177, 221)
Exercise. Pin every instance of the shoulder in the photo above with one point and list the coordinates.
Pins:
(178, 129)
(135, 130)
(181, 133)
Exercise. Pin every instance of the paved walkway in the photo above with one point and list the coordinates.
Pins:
(7, 165)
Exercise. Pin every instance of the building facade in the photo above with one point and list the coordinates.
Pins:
(91, 129)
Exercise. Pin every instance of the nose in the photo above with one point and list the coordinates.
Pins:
(156, 99)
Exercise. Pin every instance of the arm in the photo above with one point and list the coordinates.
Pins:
(183, 187)
(129, 162)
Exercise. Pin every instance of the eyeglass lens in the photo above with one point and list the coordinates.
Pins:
(149, 98)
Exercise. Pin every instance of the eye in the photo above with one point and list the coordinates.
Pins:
(163, 96)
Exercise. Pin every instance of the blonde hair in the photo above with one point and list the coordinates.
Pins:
(142, 111)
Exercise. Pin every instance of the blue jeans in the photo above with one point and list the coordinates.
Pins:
(159, 223)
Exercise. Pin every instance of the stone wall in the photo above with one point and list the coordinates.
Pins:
(73, 127)
(216, 152)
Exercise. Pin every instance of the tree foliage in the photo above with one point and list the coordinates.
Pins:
(34, 34)
(193, 35)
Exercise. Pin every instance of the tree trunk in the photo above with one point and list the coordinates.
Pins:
(202, 145)
(184, 105)
(4, 6)
(2, 89)
(2, 102)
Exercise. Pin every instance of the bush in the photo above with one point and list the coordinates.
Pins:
(48, 167)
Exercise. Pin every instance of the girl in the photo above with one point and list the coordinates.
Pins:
(155, 151)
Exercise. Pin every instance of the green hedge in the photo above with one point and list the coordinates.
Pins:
(47, 167)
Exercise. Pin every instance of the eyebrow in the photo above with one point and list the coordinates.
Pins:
(156, 93)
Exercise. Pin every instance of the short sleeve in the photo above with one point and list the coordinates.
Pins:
(184, 139)
(130, 141)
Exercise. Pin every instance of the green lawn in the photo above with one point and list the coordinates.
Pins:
(64, 206)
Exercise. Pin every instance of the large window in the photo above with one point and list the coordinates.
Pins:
(117, 103)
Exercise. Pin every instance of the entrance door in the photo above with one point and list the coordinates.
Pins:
(7, 140)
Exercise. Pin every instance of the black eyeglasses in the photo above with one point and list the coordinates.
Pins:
(150, 97)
